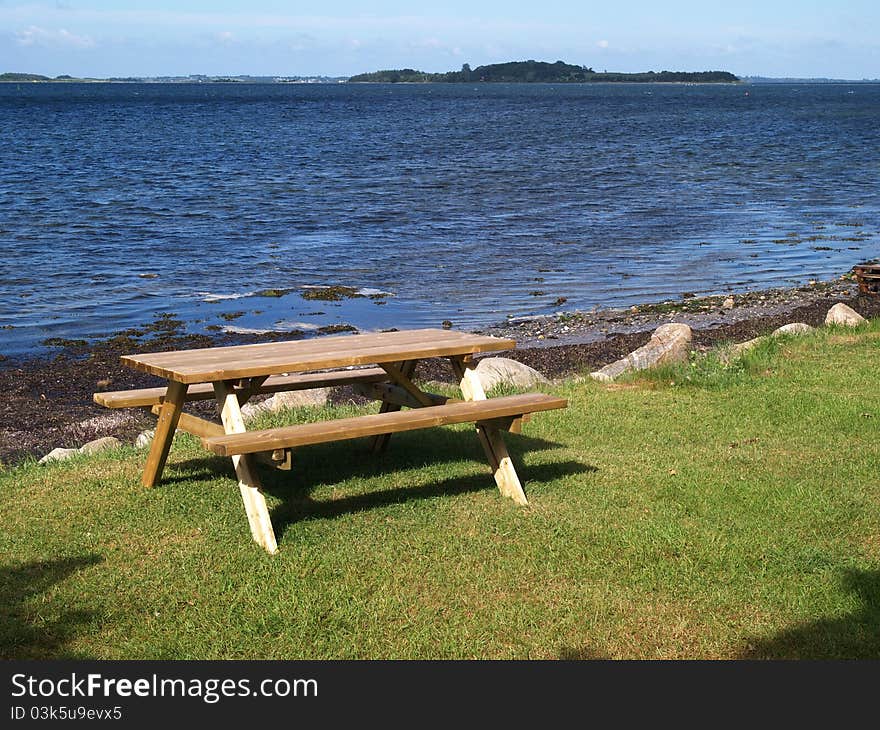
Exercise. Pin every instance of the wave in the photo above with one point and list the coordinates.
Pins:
(211, 297)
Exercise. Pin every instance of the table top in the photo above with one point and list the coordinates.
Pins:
(208, 365)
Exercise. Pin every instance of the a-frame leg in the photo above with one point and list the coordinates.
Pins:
(169, 416)
(248, 481)
(380, 442)
(496, 451)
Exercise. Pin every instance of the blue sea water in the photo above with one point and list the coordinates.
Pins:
(467, 203)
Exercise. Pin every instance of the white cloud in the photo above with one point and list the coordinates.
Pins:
(45, 37)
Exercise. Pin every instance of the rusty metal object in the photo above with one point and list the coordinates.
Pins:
(868, 278)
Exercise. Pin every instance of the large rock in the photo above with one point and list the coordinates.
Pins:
(313, 397)
(494, 371)
(58, 454)
(92, 447)
(843, 315)
(101, 444)
(735, 351)
(795, 328)
(669, 343)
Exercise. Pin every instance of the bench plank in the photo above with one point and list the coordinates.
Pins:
(275, 384)
(381, 423)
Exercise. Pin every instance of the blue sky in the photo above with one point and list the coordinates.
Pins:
(269, 37)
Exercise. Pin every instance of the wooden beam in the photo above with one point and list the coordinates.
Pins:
(402, 379)
(496, 451)
(373, 424)
(380, 442)
(248, 481)
(169, 416)
(275, 384)
(396, 395)
(194, 425)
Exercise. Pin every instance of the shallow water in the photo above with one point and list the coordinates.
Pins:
(463, 203)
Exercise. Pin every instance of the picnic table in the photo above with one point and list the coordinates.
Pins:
(378, 365)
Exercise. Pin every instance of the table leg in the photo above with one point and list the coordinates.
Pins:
(169, 416)
(248, 481)
(380, 442)
(496, 450)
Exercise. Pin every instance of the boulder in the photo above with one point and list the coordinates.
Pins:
(743, 347)
(669, 343)
(734, 351)
(728, 303)
(494, 371)
(795, 328)
(58, 454)
(313, 397)
(843, 315)
(101, 444)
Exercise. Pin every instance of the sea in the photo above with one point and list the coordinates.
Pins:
(232, 206)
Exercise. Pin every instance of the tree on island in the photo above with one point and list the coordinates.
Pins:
(539, 72)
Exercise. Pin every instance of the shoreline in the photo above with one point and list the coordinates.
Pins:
(49, 399)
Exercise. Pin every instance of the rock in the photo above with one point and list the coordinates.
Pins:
(313, 398)
(144, 439)
(734, 351)
(843, 315)
(795, 328)
(101, 444)
(58, 454)
(494, 371)
(669, 343)
(728, 303)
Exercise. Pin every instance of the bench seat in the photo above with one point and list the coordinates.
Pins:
(273, 384)
(507, 407)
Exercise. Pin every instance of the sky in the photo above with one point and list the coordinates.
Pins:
(101, 38)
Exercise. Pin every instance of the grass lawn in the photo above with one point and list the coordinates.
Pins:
(697, 512)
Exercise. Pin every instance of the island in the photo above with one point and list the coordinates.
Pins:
(530, 72)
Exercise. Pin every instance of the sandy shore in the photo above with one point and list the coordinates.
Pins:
(48, 400)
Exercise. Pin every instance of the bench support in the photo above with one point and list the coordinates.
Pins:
(248, 481)
(496, 451)
(169, 416)
(401, 376)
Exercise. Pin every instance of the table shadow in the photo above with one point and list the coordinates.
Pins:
(22, 636)
(320, 465)
(299, 507)
(340, 460)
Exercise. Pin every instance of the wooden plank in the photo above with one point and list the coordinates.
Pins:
(242, 361)
(281, 459)
(505, 475)
(469, 381)
(194, 425)
(396, 395)
(165, 428)
(380, 441)
(248, 481)
(274, 384)
(381, 423)
(403, 381)
(493, 445)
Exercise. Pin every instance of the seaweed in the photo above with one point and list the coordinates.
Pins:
(330, 293)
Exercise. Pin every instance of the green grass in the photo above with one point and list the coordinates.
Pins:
(701, 511)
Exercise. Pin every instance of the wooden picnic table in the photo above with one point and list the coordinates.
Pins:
(232, 375)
